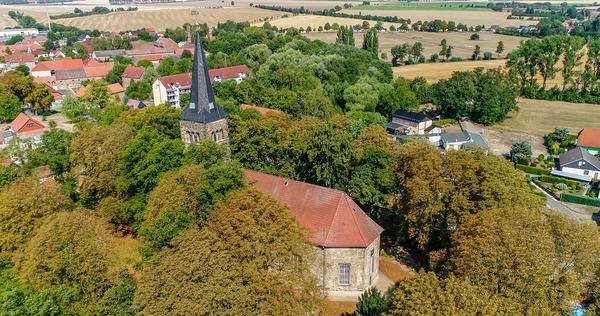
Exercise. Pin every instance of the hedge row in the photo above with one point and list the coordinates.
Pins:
(534, 170)
(573, 198)
(552, 179)
(444, 122)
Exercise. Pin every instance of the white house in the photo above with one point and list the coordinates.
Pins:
(578, 164)
(168, 89)
(411, 123)
(8, 33)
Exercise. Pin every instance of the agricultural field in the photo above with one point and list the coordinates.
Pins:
(538, 117)
(486, 18)
(162, 19)
(315, 21)
(462, 46)
(435, 72)
(436, 6)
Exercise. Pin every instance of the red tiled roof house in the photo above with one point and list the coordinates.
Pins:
(346, 239)
(589, 139)
(24, 127)
(169, 88)
(132, 73)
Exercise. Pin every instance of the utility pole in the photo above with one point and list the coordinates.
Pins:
(49, 25)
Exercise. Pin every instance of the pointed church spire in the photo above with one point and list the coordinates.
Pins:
(203, 106)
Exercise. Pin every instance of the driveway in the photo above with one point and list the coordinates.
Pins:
(557, 206)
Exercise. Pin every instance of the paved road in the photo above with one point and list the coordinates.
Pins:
(556, 205)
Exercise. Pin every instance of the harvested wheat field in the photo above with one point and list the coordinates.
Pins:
(162, 19)
(315, 21)
(435, 72)
(538, 117)
(486, 18)
(462, 46)
(6, 21)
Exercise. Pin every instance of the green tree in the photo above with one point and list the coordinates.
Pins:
(371, 303)
(500, 48)
(94, 155)
(74, 109)
(474, 37)
(371, 41)
(97, 94)
(52, 151)
(7, 175)
(205, 153)
(10, 106)
(40, 98)
(24, 204)
(146, 156)
(190, 277)
(520, 152)
(425, 294)
(361, 97)
(71, 249)
(476, 53)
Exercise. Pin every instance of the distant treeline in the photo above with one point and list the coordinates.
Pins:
(428, 26)
(32, 1)
(96, 10)
(118, 2)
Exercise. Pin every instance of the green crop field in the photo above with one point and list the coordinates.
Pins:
(445, 6)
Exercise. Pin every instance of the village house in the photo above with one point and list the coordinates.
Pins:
(346, 240)
(462, 140)
(8, 33)
(589, 139)
(578, 164)
(25, 128)
(411, 123)
(14, 60)
(132, 74)
(170, 88)
(49, 68)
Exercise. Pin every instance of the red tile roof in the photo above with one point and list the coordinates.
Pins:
(133, 72)
(589, 137)
(113, 88)
(228, 72)
(330, 215)
(166, 43)
(260, 109)
(98, 71)
(20, 58)
(19, 125)
(185, 79)
(58, 64)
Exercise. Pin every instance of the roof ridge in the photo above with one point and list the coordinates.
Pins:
(346, 196)
(333, 218)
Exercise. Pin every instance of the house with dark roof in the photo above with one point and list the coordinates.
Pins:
(346, 240)
(462, 140)
(411, 123)
(589, 138)
(578, 164)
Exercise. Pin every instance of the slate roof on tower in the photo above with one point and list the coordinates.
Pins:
(203, 107)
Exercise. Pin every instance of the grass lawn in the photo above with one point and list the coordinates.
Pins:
(538, 117)
(447, 6)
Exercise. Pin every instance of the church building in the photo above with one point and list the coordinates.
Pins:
(346, 241)
(204, 118)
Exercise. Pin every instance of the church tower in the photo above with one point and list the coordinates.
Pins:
(204, 118)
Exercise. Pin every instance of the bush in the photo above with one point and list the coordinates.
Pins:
(434, 58)
(474, 37)
(556, 180)
(584, 200)
(533, 170)
(455, 59)
(444, 122)
(561, 186)
(487, 56)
